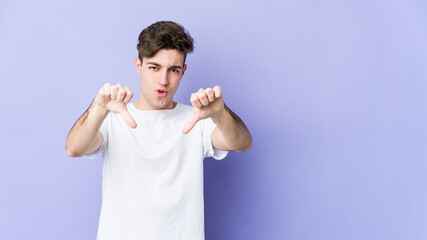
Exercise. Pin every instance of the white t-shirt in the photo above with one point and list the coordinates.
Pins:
(153, 175)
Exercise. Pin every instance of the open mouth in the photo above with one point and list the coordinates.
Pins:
(162, 92)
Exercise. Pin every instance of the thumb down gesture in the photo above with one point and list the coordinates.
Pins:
(206, 103)
(114, 98)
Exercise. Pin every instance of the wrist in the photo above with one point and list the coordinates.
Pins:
(99, 108)
(219, 117)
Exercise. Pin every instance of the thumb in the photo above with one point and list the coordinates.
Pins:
(128, 118)
(190, 124)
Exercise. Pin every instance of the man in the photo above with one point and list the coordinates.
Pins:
(154, 148)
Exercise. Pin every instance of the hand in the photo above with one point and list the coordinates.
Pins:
(114, 98)
(206, 103)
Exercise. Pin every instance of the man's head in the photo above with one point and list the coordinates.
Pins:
(162, 49)
(163, 35)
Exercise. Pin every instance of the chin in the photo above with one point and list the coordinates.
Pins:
(166, 105)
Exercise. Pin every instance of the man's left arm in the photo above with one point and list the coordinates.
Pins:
(231, 134)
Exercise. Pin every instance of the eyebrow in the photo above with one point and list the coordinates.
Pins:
(154, 63)
(158, 65)
(176, 66)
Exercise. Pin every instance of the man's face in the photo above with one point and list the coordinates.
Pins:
(160, 76)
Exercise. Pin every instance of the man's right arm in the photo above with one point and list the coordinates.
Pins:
(84, 136)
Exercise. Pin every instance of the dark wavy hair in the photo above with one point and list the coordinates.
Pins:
(164, 35)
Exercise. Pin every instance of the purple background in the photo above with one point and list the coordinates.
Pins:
(334, 93)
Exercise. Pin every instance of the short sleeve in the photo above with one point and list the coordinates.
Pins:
(104, 132)
(208, 126)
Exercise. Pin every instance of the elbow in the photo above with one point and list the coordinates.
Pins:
(249, 146)
(249, 143)
(245, 147)
(72, 152)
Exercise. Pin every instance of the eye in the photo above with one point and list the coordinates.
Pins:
(153, 67)
(175, 70)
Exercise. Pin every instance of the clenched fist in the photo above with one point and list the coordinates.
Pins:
(114, 98)
(206, 103)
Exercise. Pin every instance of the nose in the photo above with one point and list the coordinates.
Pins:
(164, 78)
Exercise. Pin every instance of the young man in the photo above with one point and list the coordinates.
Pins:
(154, 148)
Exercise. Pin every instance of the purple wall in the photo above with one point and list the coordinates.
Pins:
(334, 93)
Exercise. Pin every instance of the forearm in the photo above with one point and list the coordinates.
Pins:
(83, 134)
(235, 133)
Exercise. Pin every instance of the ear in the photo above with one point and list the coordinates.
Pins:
(138, 65)
(183, 69)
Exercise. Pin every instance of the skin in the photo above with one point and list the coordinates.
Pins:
(164, 72)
